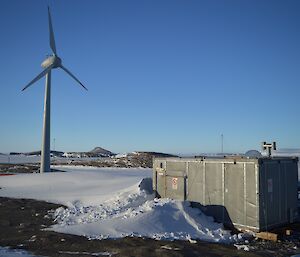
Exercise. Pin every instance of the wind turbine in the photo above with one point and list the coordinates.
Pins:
(52, 62)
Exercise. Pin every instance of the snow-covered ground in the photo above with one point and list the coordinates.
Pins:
(19, 159)
(79, 185)
(113, 203)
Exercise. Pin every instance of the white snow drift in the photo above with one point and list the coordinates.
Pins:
(113, 203)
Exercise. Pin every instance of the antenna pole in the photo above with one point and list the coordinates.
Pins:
(45, 153)
(222, 143)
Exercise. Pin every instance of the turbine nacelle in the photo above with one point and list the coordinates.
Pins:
(53, 61)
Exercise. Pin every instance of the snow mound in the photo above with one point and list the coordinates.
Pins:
(136, 212)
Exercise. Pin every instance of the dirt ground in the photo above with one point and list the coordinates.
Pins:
(22, 222)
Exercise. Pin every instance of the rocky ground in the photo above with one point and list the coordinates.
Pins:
(135, 159)
(18, 168)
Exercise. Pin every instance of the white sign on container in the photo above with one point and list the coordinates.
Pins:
(174, 183)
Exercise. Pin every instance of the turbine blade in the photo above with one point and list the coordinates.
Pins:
(42, 74)
(52, 41)
(67, 71)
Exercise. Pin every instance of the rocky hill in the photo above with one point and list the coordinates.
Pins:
(99, 152)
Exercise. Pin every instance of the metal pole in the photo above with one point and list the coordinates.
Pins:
(45, 154)
(222, 144)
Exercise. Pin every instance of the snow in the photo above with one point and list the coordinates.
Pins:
(81, 185)
(114, 203)
(19, 159)
(7, 252)
(242, 247)
(121, 155)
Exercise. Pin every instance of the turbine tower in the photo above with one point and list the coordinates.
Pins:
(52, 62)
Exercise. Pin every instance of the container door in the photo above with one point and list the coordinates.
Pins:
(251, 196)
(234, 193)
(161, 182)
(195, 182)
(270, 204)
(213, 184)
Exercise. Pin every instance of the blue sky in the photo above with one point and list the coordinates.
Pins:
(164, 75)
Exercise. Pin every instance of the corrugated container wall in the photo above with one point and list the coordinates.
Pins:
(256, 194)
